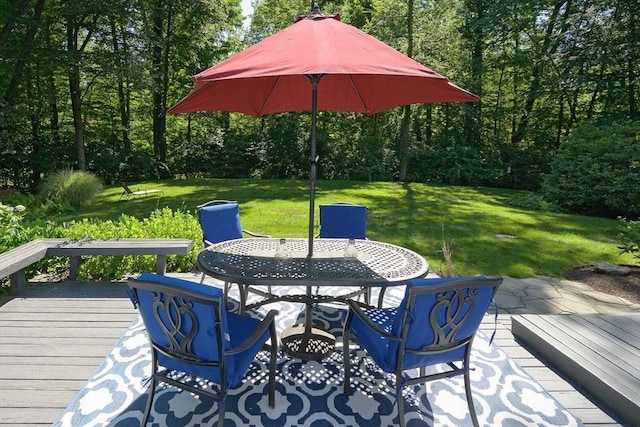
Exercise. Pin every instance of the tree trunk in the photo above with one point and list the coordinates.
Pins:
(497, 114)
(536, 75)
(12, 88)
(74, 90)
(473, 116)
(406, 113)
(36, 143)
(160, 65)
(52, 95)
(11, 22)
(123, 105)
(633, 58)
(428, 127)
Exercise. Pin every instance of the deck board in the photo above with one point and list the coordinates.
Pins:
(54, 336)
(52, 339)
(598, 352)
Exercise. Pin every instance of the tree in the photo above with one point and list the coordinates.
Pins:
(406, 110)
(174, 30)
(27, 41)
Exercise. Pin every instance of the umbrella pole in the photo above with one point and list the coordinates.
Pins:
(315, 78)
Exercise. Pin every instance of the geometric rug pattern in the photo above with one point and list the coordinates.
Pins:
(309, 394)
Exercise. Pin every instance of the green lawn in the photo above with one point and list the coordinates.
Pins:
(485, 232)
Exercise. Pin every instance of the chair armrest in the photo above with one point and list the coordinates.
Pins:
(251, 339)
(251, 233)
(354, 308)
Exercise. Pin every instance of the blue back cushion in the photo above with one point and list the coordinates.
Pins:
(220, 222)
(204, 343)
(421, 332)
(343, 221)
(235, 329)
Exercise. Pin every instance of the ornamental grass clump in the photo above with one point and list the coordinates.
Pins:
(74, 188)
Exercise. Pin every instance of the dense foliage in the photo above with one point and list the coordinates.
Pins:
(597, 171)
(15, 230)
(162, 223)
(630, 237)
(468, 230)
(86, 84)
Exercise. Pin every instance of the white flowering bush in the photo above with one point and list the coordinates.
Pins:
(12, 230)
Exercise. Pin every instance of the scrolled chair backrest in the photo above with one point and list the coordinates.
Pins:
(439, 317)
(186, 322)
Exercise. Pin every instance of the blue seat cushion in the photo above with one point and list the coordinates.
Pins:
(236, 329)
(376, 346)
(384, 351)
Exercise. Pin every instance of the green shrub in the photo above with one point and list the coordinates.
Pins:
(72, 187)
(630, 235)
(529, 200)
(16, 230)
(597, 171)
(162, 223)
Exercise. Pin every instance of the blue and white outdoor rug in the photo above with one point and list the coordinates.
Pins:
(309, 394)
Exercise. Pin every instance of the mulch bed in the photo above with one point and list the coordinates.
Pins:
(625, 286)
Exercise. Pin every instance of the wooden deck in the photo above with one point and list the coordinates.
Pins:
(601, 352)
(54, 336)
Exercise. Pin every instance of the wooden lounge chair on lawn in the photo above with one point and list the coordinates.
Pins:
(128, 193)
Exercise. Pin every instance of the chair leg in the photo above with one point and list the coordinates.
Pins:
(225, 292)
(244, 293)
(221, 412)
(147, 409)
(383, 289)
(472, 409)
(346, 356)
(367, 295)
(401, 422)
(347, 365)
(272, 365)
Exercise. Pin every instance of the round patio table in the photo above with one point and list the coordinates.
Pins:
(284, 262)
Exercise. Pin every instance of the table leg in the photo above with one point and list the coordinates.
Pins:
(306, 342)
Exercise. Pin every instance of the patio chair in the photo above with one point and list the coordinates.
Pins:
(345, 221)
(434, 325)
(127, 193)
(220, 221)
(194, 338)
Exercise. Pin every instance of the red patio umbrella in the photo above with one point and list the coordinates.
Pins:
(317, 64)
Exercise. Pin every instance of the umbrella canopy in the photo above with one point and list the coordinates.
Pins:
(317, 64)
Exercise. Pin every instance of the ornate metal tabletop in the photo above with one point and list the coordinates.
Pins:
(253, 262)
(259, 261)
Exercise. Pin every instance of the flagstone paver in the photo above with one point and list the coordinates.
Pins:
(548, 295)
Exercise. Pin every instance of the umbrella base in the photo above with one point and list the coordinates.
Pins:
(315, 344)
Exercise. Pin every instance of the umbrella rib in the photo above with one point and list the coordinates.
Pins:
(266, 101)
(357, 91)
(189, 96)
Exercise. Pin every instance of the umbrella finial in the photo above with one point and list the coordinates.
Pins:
(316, 10)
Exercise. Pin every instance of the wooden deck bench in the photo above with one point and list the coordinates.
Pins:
(600, 352)
(14, 261)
